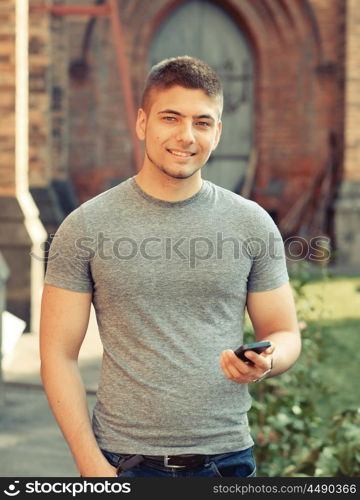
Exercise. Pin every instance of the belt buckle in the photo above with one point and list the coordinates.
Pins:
(166, 463)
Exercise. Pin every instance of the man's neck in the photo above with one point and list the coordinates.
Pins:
(166, 188)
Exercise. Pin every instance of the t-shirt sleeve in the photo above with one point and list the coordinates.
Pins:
(70, 255)
(266, 248)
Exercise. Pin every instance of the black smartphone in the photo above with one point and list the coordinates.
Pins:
(258, 347)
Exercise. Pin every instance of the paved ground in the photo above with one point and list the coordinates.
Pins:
(31, 445)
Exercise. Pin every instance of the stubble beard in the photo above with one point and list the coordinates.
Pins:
(180, 175)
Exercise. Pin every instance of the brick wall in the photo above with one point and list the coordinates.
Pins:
(7, 97)
(352, 94)
(15, 243)
(58, 95)
(7, 129)
(100, 150)
(39, 99)
(347, 220)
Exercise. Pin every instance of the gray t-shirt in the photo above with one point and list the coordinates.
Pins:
(169, 283)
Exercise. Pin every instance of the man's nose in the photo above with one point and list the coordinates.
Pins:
(185, 133)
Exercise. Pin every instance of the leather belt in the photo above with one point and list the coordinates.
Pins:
(176, 461)
(162, 461)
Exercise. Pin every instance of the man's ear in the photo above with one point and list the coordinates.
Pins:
(141, 124)
(217, 135)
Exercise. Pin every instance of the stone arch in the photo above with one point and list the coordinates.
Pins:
(263, 22)
(281, 34)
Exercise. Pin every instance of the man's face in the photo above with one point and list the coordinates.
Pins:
(180, 127)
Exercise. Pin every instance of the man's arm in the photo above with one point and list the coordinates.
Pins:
(273, 316)
(64, 321)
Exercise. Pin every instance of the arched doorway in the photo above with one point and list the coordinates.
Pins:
(202, 29)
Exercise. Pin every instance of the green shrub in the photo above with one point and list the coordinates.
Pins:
(292, 438)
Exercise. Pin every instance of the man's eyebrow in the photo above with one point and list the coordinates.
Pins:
(170, 111)
(207, 117)
(173, 112)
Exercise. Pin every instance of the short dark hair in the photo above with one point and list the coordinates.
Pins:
(185, 71)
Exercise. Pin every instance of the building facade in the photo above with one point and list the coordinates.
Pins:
(291, 136)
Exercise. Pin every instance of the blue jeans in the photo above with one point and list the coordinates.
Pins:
(235, 464)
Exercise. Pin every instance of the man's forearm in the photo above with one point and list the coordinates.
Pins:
(287, 350)
(67, 398)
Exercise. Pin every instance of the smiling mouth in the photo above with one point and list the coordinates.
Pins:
(180, 154)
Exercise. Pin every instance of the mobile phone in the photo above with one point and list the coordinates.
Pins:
(258, 347)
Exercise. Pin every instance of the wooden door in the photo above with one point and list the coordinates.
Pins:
(202, 29)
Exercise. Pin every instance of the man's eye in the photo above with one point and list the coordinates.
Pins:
(169, 118)
(204, 124)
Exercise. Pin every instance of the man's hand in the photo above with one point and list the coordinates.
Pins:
(242, 372)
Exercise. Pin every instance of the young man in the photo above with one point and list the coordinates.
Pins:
(169, 262)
